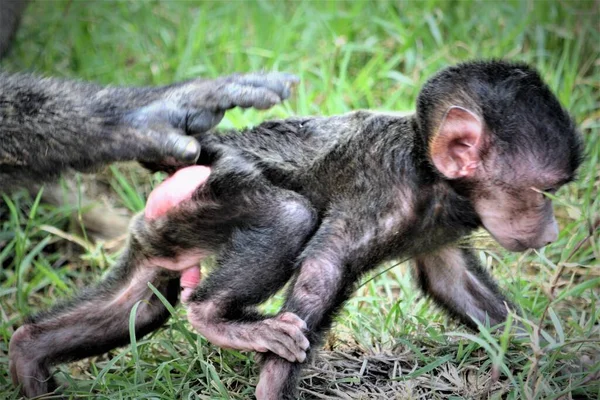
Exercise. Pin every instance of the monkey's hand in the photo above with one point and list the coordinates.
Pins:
(196, 106)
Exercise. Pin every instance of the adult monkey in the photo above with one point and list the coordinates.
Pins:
(49, 126)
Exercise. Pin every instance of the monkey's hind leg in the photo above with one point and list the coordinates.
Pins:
(258, 260)
(456, 281)
(267, 227)
(92, 323)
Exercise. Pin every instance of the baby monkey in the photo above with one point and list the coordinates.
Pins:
(319, 201)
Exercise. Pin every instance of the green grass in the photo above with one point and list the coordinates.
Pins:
(349, 55)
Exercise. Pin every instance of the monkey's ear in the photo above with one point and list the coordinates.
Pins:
(455, 148)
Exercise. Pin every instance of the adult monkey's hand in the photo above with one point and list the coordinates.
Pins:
(50, 125)
(196, 106)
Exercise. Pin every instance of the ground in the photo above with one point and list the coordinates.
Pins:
(389, 342)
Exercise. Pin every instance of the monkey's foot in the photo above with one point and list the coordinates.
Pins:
(26, 368)
(282, 335)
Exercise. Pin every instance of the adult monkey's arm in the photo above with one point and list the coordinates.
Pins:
(49, 125)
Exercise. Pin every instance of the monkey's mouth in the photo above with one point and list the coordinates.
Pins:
(519, 246)
(511, 244)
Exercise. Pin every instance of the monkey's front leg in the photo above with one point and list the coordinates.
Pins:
(329, 269)
(454, 278)
(82, 126)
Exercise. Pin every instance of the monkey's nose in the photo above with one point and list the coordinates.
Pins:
(550, 233)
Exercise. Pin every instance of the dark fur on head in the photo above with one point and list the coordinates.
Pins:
(514, 101)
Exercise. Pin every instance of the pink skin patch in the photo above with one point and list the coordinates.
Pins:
(168, 195)
(174, 190)
(190, 278)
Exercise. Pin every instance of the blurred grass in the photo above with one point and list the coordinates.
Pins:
(349, 55)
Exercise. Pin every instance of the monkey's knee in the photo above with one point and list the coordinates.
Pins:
(18, 350)
(28, 363)
(299, 216)
(203, 313)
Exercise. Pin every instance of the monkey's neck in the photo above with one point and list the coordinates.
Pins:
(423, 165)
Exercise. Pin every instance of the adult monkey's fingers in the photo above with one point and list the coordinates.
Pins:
(202, 120)
(258, 90)
(280, 83)
(160, 143)
(246, 96)
(183, 148)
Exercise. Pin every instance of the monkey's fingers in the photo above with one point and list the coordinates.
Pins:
(163, 148)
(160, 128)
(258, 90)
(199, 105)
(281, 83)
(201, 120)
(182, 148)
(284, 337)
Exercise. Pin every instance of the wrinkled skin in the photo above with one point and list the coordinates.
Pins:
(520, 216)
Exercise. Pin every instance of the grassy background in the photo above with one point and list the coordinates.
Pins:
(389, 341)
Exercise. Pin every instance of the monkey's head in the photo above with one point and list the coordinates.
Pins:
(496, 130)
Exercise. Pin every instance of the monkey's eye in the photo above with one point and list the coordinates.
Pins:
(544, 192)
(551, 191)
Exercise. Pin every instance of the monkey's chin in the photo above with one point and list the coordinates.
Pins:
(512, 244)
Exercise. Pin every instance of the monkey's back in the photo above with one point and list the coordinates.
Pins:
(285, 145)
(320, 157)
(285, 149)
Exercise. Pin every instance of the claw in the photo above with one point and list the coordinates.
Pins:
(191, 152)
